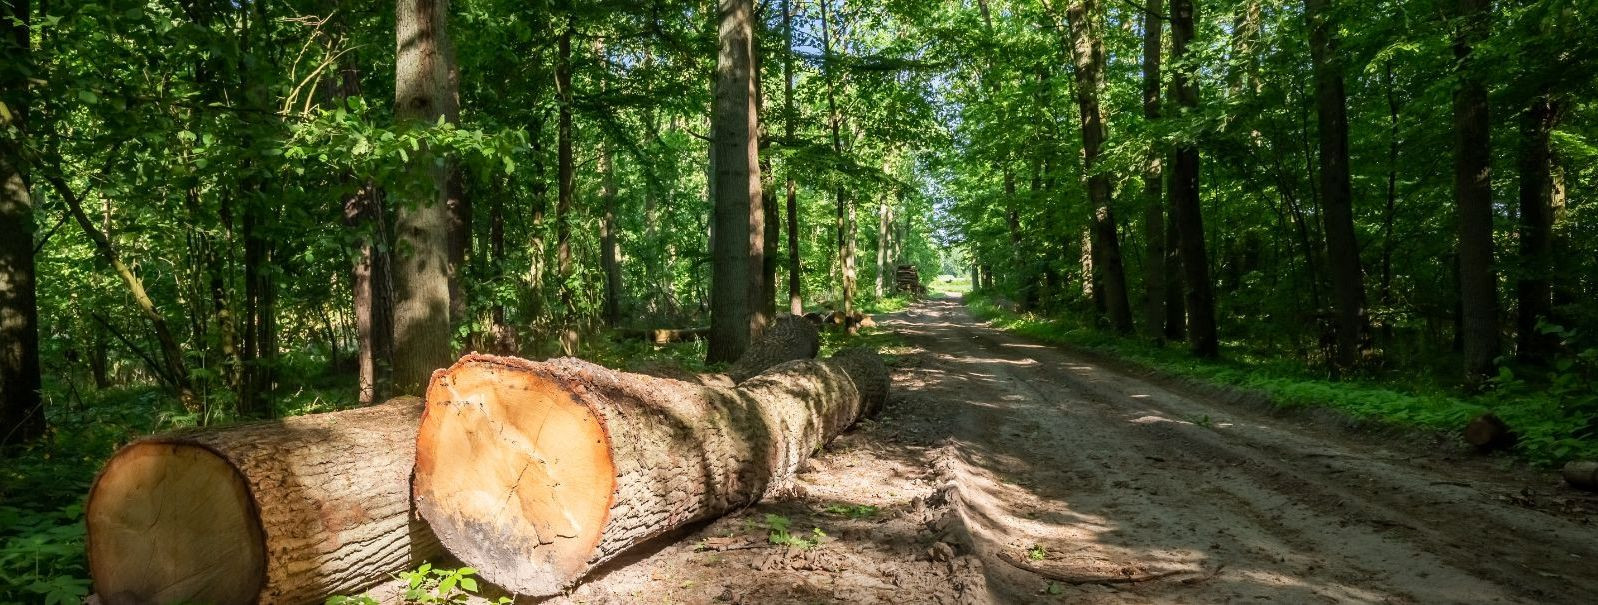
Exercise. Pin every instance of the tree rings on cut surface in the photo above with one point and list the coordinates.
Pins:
(173, 522)
(518, 468)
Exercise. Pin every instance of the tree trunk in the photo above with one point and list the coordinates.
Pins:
(1534, 290)
(363, 213)
(736, 174)
(268, 512)
(1185, 196)
(1473, 197)
(1087, 52)
(609, 255)
(1342, 250)
(795, 277)
(843, 223)
(599, 461)
(1153, 202)
(565, 186)
(21, 412)
(422, 223)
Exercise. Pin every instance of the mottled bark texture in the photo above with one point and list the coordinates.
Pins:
(21, 414)
(287, 511)
(421, 263)
(736, 188)
(790, 337)
(587, 462)
(1473, 197)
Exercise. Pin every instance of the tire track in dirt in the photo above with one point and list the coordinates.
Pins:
(1112, 473)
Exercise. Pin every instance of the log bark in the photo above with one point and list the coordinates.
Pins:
(1581, 474)
(787, 339)
(287, 511)
(586, 462)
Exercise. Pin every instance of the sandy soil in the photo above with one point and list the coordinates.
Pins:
(996, 453)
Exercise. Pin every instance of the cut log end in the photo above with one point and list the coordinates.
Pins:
(174, 523)
(534, 483)
(1488, 433)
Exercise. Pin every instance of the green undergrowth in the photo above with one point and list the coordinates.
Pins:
(1553, 414)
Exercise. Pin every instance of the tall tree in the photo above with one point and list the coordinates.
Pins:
(422, 218)
(1534, 290)
(843, 223)
(566, 180)
(1185, 192)
(609, 254)
(1087, 52)
(735, 170)
(1153, 201)
(21, 414)
(1473, 195)
(1337, 210)
(795, 277)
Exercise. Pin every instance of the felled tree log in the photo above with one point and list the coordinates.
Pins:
(1487, 432)
(288, 511)
(535, 473)
(788, 338)
(1581, 474)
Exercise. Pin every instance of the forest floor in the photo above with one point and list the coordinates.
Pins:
(1117, 486)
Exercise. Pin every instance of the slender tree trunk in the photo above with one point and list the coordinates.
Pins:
(795, 275)
(1478, 289)
(1392, 192)
(422, 223)
(565, 186)
(609, 256)
(369, 281)
(1337, 211)
(845, 247)
(1153, 202)
(1087, 52)
(21, 411)
(1185, 195)
(761, 289)
(1534, 290)
(735, 168)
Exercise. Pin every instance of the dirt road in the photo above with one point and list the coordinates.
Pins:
(995, 451)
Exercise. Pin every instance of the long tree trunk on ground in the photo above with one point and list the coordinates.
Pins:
(615, 435)
(1087, 52)
(1473, 197)
(1153, 202)
(261, 513)
(21, 413)
(736, 177)
(565, 186)
(1185, 194)
(795, 277)
(1534, 290)
(1342, 251)
(422, 218)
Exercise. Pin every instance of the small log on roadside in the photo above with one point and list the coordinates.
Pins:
(1488, 433)
(662, 336)
(1582, 474)
(534, 473)
(287, 511)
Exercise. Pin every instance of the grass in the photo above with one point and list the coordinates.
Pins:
(1552, 414)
